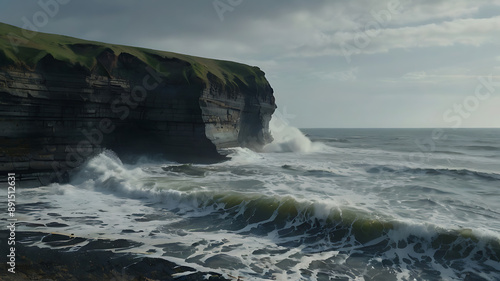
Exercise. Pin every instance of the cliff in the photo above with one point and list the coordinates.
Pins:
(63, 100)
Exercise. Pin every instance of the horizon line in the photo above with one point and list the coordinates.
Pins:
(441, 128)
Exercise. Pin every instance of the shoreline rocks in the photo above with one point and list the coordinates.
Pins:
(97, 260)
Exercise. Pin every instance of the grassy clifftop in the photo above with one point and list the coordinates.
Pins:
(24, 49)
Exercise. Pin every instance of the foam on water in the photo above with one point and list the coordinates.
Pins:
(242, 156)
(273, 216)
(106, 173)
(108, 199)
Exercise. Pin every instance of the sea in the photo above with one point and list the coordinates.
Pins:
(316, 204)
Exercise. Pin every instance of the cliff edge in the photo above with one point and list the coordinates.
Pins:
(63, 100)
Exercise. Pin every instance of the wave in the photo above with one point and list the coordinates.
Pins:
(309, 172)
(186, 169)
(290, 139)
(315, 228)
(242, 156)
(435, 172)
(483, 147)
(330, 140)
(450, 152)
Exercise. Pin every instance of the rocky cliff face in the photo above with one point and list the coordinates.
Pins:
(62, 100)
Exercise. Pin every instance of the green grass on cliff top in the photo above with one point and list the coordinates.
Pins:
(23, 48)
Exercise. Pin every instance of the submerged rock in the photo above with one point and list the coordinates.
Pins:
(63, 100)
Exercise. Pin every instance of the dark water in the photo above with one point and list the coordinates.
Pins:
(353, 204)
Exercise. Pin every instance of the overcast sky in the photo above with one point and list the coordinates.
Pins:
(336, 63)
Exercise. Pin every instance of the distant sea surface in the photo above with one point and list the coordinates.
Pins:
(317, 204)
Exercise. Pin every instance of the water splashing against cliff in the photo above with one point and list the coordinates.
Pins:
(289, 139)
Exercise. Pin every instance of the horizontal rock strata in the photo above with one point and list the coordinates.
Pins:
(63, 100)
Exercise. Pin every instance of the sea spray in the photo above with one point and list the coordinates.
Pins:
(290, 139)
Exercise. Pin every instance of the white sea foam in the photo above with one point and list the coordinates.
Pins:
(230, 209)
(242, 156)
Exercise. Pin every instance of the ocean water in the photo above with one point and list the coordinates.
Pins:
(316, 204)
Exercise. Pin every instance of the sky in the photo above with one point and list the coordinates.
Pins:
(331, 63)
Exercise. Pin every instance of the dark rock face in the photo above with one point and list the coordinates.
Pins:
(237, 117)
(57, 115)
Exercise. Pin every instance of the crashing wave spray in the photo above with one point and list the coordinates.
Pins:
(289, 139)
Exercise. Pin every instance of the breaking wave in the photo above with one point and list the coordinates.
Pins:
(290, 139)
